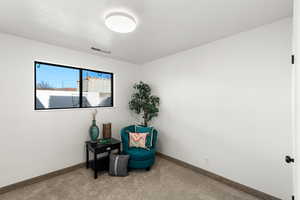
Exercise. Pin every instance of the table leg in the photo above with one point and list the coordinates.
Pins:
(119, 149)
(95, 166)
(87, 156)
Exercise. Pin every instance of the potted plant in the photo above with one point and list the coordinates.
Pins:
(143, 103)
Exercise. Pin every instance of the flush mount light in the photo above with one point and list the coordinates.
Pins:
(120, 22)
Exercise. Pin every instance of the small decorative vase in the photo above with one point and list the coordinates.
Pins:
(94, 131)
(106, 130)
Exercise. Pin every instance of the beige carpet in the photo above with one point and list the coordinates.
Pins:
(166, 180)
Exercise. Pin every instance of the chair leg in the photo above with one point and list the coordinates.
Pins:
(148, 168)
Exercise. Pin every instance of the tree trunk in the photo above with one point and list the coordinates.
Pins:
(145, 120)
(145, 123)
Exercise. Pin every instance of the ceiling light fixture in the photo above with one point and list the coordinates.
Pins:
(120, 22)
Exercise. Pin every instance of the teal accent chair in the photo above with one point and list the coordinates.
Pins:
(139, 158)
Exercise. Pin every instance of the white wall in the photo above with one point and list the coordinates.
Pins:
(226, 107)
(33, 143)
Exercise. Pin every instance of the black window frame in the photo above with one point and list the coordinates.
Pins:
(80, 86)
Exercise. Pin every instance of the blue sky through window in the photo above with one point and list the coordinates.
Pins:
(62, 77)
(57, 77)
(86, 73)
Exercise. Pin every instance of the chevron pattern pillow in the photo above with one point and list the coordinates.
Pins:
(137, 140)
(149, 130)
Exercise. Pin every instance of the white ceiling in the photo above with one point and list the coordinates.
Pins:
(164, 26)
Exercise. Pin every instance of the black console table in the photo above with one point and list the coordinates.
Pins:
(98, 148)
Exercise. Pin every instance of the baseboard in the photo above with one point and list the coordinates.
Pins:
(219, 178)
(40, 178)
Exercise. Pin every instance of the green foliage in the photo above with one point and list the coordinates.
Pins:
(143, 103)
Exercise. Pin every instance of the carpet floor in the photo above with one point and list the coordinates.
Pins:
(165, 181)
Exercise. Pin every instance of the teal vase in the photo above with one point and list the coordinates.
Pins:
(94, 131)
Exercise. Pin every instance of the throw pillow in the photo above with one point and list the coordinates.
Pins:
(137, 140)
(149, 130)
(118, 165)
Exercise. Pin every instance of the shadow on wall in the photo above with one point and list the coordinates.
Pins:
(70, 102)
(39, 105)
(63, 101)
(106, 102)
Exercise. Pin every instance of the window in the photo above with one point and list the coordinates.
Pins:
(96, 89)
(61, 87)
(56, 87)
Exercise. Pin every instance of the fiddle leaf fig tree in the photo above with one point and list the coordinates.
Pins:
(143, 103)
